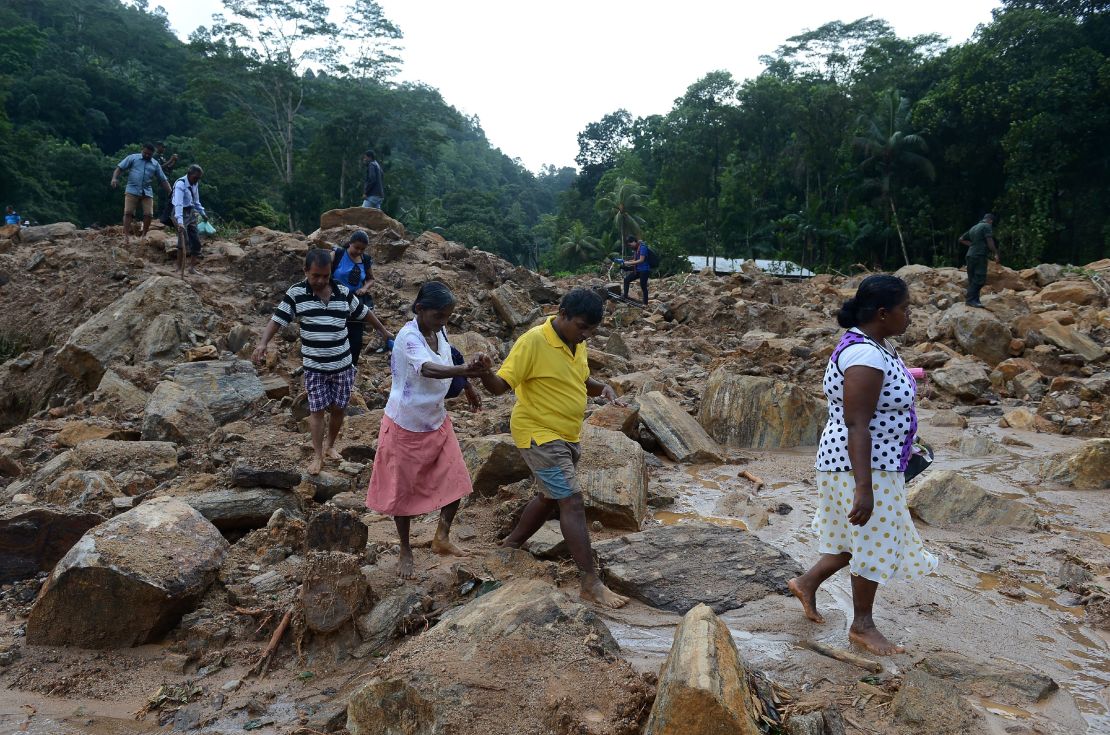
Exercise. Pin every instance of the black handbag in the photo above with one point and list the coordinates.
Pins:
(458, 383)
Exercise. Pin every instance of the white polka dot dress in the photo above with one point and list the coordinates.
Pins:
(885, 549)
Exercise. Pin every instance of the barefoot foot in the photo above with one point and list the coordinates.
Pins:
(444, 547)
(505, 543)
(404, 565)
(871, 639)
(315, 466)
(595, 591)
(808, 598)
(332, 453)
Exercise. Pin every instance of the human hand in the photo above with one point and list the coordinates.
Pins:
(259, 354)
(610, 396)
(862, 507)
(114, 184)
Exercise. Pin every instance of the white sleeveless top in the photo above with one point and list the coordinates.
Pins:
(892, 422)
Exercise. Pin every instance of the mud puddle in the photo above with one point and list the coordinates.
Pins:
(961, 608)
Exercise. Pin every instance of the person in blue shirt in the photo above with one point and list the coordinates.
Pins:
(353, 267)
(10, 216)
(141, 170)
(638, 267)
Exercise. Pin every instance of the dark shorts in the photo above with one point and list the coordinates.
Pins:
(328, 390)
(554, 464)
(187, 236)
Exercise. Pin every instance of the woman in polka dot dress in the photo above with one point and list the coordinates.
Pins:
(861, 517)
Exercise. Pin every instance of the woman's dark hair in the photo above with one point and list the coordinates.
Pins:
(584, 303)
(631, 238)
(433, 295)
(880, 291)
(359, 236)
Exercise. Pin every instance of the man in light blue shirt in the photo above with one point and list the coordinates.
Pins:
(187, 210)
(141, 170)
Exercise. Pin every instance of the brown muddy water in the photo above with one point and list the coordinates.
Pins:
(994, 597)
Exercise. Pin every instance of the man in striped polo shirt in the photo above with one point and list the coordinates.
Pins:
(322, 306)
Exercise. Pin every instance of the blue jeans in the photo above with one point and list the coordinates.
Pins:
(373, 202)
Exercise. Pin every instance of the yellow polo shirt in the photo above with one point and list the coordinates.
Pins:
(550, 385)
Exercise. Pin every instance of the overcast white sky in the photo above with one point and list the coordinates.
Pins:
(536, 72)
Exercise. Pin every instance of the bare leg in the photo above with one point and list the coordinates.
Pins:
(441, 543)
(863, 631)
(535, 514)
(126, 229)
(335, 423)
(404, 561)
(316, 424)
(572, 521)
(180, 252)
(805, 586)
(146, 226)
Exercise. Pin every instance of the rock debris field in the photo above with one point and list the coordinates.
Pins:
(165, 565)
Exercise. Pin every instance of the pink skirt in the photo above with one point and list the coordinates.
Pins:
(416, 472)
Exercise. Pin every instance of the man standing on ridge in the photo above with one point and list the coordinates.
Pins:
(979, 239)
(372, 188)
(141, 170)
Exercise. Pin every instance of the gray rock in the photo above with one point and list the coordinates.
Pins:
(680, 435)
(1047, 273)
(245, 474)
(949, 499)
(493, 461)
(548, 542)
(33, 538)
(176, 414)
(327, 485)
(387, 620)
(979, 333)
(332, 529)
(612, 476)
(963, 379)
(513, 306)
(931, 706)
(54, 231)
(676, 567)
(992, 680)
(128, 580)
(227, 388)
(157, 459)
(237, 509)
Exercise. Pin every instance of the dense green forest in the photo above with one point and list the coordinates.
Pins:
(853, 146)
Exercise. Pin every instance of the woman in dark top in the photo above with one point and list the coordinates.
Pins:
(351, 266)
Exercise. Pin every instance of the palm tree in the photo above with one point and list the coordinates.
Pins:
(623, 203)
(577, 246)
(890, 153)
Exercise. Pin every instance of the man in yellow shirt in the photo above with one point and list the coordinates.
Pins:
(547, 369)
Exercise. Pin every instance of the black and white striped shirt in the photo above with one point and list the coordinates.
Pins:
(324, 346)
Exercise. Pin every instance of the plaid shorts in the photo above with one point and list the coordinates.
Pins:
(328, 389)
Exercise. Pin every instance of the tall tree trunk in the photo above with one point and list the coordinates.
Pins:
(898, 229)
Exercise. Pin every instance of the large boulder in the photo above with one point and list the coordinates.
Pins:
(1070, 340)
(963, 379)
(493, 461)
(156, 458)
(979, 333)
(154, 321)
(1085, 468)
(128, 580)
(116, 396)
(676, 567)
(250, 474)
(680, 435)
(524, 620)
(236, 509)
(176, 414)
(994, 680)
(612, 475)
(365, 217)
(55, 231)
(513, 305)
(1081, 292)
(333, 590)
(227, 388)
(746, 411)
(89, 490)
(947, 498)
(703, 688)
(34, 538)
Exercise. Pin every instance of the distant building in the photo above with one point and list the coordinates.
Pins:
(783, 268)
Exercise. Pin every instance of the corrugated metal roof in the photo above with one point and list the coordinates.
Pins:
(734, 265)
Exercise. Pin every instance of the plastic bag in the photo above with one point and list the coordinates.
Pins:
(205, 228)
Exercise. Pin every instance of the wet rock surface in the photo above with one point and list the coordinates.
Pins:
(949, 499)
(677, 567)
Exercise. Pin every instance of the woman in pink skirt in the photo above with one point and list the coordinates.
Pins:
(419, 466)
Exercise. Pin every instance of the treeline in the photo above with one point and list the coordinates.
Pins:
(855, 146)
(272, 99)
